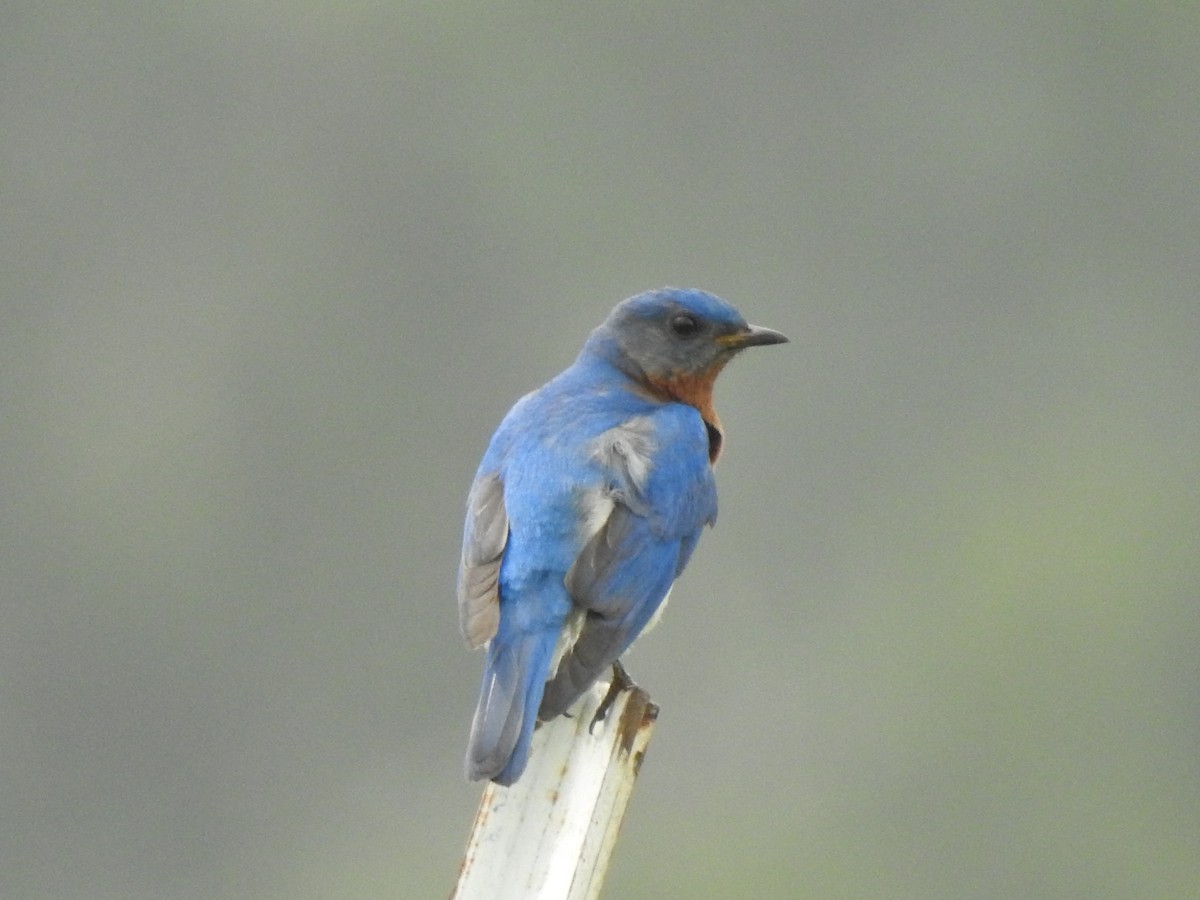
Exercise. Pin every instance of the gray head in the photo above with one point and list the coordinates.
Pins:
(672, 333)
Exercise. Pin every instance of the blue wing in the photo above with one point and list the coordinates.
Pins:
(520, 538)
(658, 495)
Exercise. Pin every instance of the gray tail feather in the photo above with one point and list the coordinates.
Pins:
(513, 680)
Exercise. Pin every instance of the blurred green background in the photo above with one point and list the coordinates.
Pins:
(272, 273)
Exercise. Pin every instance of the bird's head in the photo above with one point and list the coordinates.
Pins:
(671, 333)
(674, 342)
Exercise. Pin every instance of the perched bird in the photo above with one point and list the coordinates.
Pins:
(586, 507)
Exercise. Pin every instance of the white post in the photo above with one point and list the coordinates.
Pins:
(550, 835)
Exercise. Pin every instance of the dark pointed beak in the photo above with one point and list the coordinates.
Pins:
(754, 336)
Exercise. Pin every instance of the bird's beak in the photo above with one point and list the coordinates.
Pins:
(753, 336)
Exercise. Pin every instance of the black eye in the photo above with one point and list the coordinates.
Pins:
(684, 325)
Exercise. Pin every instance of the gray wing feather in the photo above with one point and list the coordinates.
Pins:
(484, 539)
(606, 622)
(607, 548)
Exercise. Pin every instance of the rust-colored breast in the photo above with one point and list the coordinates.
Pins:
(695, 389)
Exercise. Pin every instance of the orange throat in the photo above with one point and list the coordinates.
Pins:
(695, 389)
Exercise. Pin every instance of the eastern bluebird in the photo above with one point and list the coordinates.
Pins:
(586, 507)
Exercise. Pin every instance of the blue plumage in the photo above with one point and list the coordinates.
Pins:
(587, 505)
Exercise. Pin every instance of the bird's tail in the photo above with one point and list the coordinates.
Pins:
(513, 680)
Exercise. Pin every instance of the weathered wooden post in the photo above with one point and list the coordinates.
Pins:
(550, 835)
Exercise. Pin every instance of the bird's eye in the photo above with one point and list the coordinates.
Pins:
(684, 325)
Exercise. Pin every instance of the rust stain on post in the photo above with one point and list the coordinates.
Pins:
(638, 713)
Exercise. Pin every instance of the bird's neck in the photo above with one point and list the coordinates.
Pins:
(695, 389)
